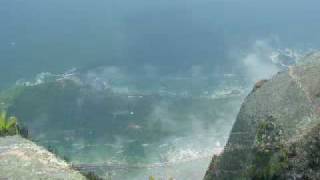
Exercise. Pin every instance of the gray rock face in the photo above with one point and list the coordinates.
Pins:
(292, 100)
(23, 159)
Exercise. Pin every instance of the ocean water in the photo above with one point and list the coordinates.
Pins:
(130, 89)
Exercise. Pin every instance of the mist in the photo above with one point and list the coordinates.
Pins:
(164, 78)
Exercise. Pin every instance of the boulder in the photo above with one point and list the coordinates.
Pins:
(23, 159)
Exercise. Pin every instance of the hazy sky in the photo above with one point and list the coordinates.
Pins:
(55, 35)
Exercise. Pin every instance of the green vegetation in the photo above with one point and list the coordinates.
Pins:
(8, 125)
(270, 157)
(91, 176)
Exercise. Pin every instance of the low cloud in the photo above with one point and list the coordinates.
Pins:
(257, 63)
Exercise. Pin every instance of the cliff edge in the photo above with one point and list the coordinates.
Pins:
(23, 159)
(276, 134)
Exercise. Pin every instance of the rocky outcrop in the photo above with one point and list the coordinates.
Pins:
(276, 134)
(23, 159)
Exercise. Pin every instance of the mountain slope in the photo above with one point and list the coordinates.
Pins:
(271, 136)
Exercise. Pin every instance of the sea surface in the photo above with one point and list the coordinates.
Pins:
(132, 89)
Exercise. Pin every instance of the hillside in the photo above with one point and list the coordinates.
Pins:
(276, 133)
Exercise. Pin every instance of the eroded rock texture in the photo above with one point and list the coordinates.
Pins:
(23, 159)
(276, 134)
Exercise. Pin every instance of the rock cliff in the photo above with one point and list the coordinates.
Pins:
(276, 133)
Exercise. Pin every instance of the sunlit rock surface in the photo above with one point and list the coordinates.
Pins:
(276, 134)
(23, 159)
